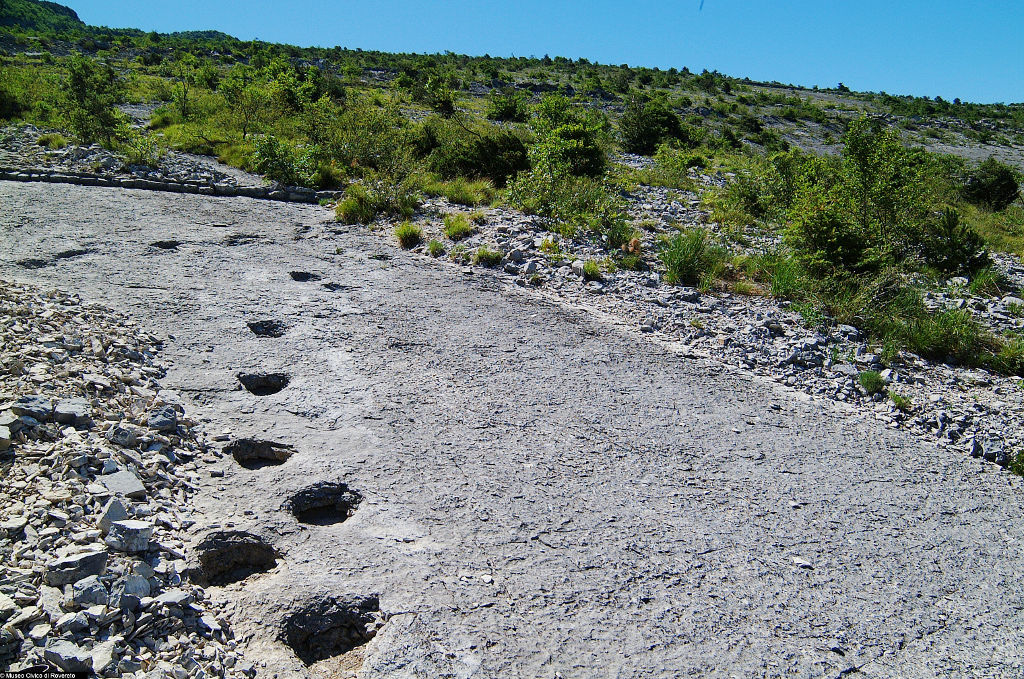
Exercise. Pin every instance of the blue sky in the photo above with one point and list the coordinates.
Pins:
(972, 50)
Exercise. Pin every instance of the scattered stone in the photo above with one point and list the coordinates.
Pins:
(163, 419)
(73, 568)
(88, 592)
(127, 592)
(38, 407)
(124, 483)
(73, 411)
(7, 607)
(129, 535)
(77, 537)
(122, 436)
(68, 657)
(114, 510)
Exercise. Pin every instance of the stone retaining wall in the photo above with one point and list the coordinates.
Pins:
(293, 194)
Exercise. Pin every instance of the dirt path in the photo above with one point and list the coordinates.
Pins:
(542, 494)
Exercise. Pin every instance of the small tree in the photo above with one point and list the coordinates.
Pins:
(93, 90)
(248, 99)
(646, 123)
(185, 74)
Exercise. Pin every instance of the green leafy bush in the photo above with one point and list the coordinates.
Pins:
(487, 257)
(902, 403)
(692, 258)
(408, 234)
(462, 191)
(1009, 358)
(454, 148)
(993, 185)
(363, 203)
(569, 140)
(52, 140)
(357, 207)
(93, 90)
(871, 381)
(570, 202)
(140, 149)
(508, 106)
(457, 227)
(646, 123)
(276, 160)
(952, 246)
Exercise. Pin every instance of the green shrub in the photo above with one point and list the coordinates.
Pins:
(52, 141)
(988, 282)
(462, 191)
(871, 381)
(862, 211)
(820, 229)
(457, 227)
(620, 234)
(780, 272)
(275, 160)
(160, 119)
(141, 149)
(509, 106)
(382, 195)
(454, 148)
(487, 257)
(408, 234)
(646, 123)
(1009, 358)
(692, 258)
(570, 202)
(357, 206)
(901, 402)
(591, 271)
(952, 246)
(435, 248)
(671, 169)
(93, 90)
(569, 140)
(631, 261)
(993, 185)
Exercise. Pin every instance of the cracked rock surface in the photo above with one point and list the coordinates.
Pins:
(544, 492)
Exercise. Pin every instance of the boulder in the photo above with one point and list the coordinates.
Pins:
(113, 511)
(38, 407)
(73, 411)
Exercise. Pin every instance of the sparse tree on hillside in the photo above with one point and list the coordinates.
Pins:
(93, 90)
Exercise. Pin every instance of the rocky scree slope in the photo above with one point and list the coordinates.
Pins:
(97, 470)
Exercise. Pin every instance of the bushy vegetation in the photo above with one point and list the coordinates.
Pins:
(457, 227)
(408, 234)
(487, 256)
(692, 257)
(992, 185)
(647, 123)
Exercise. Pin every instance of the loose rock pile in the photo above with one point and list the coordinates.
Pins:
(94, 458)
